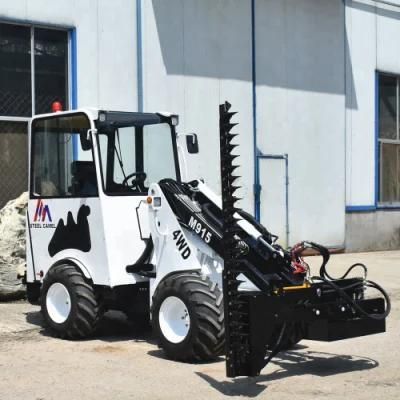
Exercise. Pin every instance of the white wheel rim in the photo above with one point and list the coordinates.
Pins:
(174, 319)
(58, 303)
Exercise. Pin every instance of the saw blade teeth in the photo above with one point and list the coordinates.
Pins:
(229, 126)
(232, 168)
(233, 178)
(231, 157)
(230, 205)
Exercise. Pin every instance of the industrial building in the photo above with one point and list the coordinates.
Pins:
(315, 84)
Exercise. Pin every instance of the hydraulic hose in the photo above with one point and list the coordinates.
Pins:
(264, 231)
(354, 304)
(276, 348)
(324, 252)
(329, 280)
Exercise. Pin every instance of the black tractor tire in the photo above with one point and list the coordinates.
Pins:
(205, 340)
(85, 309)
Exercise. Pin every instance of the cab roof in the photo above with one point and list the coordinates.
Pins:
(120, 119)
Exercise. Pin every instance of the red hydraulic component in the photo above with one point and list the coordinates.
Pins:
(298, 263)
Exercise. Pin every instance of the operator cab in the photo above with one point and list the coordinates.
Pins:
(90, 172)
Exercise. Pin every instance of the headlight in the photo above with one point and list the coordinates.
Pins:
(175, 120)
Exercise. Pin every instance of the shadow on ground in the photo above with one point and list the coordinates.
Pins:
(161, 354)
(300, 361)
(113, 327)
(292, 363)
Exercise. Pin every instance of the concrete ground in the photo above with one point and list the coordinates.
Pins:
(118, 364)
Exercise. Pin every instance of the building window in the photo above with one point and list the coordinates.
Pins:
(33, 74)
(33, 69)
(389, 140)
(15, 71)
(51, 69)
(13, 160)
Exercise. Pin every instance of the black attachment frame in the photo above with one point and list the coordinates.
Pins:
(256, 322)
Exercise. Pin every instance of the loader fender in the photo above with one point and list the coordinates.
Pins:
(77, 263)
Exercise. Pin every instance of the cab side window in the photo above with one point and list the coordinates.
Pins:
(62, 158)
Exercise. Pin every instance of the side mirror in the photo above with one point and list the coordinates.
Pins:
(86, 143)
(192, 143)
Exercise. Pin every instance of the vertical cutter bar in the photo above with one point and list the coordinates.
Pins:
(235, 306)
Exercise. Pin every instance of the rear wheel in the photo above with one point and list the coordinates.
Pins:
(188, 317)
(68, 303)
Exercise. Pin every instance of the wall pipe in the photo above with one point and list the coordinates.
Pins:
(73, 67)
(256, 185)
(139, 54)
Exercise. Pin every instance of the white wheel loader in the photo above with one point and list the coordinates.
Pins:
(111, 224)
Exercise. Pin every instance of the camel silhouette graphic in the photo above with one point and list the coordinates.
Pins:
(72, 235)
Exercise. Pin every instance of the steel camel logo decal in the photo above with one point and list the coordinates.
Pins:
(72, 235)
(42, 212)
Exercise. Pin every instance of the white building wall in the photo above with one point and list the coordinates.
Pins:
(106, 44)
(372, 29)
(301, 112)
(197, 54)
(204, 57)
(388, 32)
(360, 113)
(315, 65)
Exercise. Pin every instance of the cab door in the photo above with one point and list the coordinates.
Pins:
(130, 158)
(122, 202)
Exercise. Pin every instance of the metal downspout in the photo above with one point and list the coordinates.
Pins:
(73, 65)
(139, 54)
(256, 186)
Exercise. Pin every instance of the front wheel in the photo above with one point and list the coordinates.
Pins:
(68, 303)
(188, 317)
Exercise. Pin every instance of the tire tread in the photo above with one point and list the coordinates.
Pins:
(207, 340)
(85, 315)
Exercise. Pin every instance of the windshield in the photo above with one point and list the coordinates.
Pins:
(134, 157)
